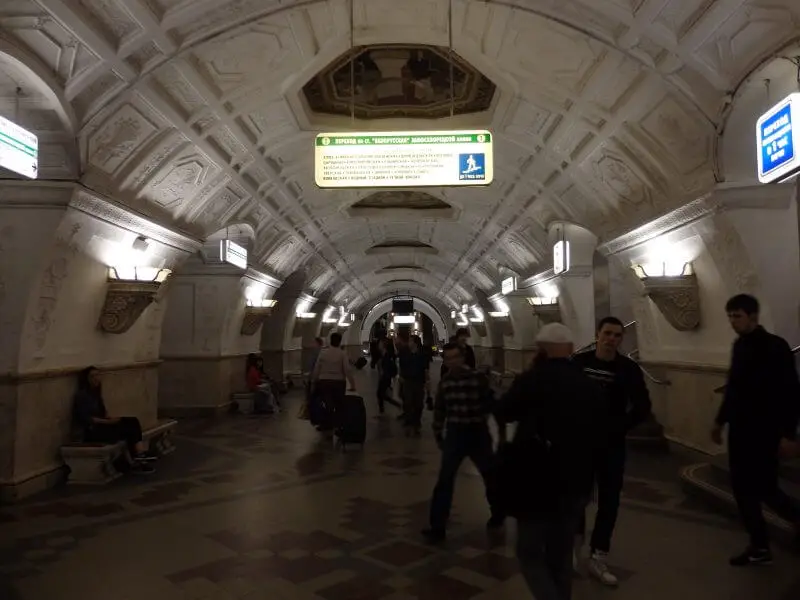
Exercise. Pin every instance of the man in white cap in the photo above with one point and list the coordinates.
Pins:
(546, 478)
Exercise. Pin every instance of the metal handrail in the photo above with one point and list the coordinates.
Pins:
(593, 344)
(721, 389)
(633, 354)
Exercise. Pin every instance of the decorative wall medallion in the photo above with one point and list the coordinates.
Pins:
(678, 299)
(254, 317)
(125, 303)
(399, 81)
(619, 178)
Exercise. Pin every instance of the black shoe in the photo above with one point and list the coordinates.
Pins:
(401, 417)
(142, 469)
(433, 536)
(752, 556)
(495, 523)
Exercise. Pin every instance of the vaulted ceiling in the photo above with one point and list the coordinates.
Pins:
(193, 112)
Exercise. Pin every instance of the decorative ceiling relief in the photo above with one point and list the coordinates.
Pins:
(680, 134)
(399, 81)
(556, 55)
(618, 177)
(394, 268)
(112, 144)
(234, 61)
(179, 183)
(396, 282)
(401, 199)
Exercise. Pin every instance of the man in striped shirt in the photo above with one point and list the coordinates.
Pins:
(463, 404)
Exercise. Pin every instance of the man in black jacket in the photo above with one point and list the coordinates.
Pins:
(761, 408)
(628, 404)
(553, 402)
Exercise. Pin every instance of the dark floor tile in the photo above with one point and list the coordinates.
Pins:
(400, 553)
(441, 587)
(482, 540)
(301, 570)
(357, 588)
(492, 565)
(644, 492)
(401, 462)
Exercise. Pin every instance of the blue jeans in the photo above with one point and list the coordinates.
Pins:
(460, 442)
(544, 550)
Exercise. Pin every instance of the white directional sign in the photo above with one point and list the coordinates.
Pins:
(403, 159)
(778, 135)
(19, 149)
(233, 254)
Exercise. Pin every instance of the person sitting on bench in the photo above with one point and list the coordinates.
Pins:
(98, 427)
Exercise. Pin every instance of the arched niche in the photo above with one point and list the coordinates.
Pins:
(763, 88)
(33, 99)
(386, 306)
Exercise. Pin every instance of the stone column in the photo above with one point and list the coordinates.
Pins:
(57, 241)
(281, 340)
(203, 348)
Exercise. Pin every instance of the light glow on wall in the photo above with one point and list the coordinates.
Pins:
(664, 259)
(403, 319)
(547, 289)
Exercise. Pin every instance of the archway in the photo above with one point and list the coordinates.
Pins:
(386, 306)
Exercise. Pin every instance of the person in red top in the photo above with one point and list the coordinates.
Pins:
(264, 400)
(252, 374)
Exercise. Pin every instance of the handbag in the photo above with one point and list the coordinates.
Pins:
(303, 413)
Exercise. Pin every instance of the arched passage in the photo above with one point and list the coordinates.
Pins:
(386, 306)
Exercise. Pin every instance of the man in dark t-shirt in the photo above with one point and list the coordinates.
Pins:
(626, 404)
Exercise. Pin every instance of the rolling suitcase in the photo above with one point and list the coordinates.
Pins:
(352, 421)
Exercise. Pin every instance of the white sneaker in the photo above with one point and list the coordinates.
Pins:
(598, 567)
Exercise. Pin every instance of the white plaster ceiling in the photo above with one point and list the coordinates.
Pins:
(606, 115)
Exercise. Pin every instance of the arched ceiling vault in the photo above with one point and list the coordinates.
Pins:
(604, 114)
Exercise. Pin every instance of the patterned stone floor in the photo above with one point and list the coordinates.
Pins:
(257, 508)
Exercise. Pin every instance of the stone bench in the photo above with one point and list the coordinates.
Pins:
(93, 463)
(244, 402)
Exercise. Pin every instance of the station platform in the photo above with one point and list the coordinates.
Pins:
(265, 508)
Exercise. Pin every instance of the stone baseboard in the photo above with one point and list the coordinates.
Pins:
(36, 483)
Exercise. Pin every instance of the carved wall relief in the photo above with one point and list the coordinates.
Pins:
(125, 303)
(731, 256)
(64, 251)
(253, 318)
(678, 299)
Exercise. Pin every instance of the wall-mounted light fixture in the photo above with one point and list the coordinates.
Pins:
(547, 309)
(305, 316)
(256, 310)
(130, 291)
(673, 289)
